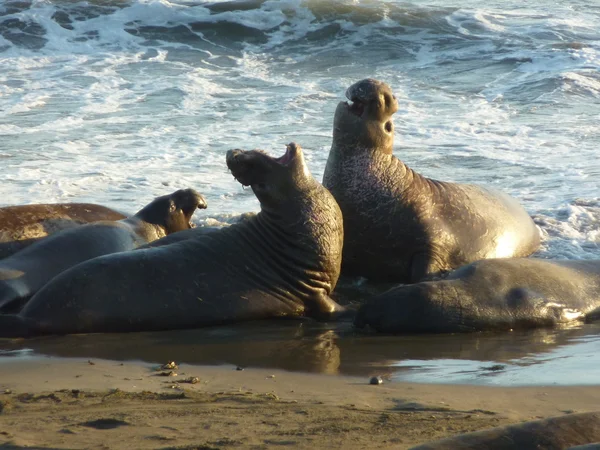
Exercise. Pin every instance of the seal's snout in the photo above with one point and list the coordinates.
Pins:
(369, 91)
(232, 155)
(199, 201)
(188, 200)
(356, 106)
(241, 163)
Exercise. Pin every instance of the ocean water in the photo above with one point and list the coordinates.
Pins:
(118, 101)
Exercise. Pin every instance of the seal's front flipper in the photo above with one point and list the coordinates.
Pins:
(424, 267)
(344, 314)
(562, 314)
(532, 309)
(325, 308)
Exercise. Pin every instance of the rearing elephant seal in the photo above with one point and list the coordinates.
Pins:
(25, 272)
(491, 294)
(22, 225)
(284, 261)
(400, 226)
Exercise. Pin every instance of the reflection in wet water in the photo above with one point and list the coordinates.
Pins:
(574, 362)
(567, 356)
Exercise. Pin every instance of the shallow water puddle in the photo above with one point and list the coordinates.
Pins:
(538, 357)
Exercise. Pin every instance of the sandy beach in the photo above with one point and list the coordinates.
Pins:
(54, 403)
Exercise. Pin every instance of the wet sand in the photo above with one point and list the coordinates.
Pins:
(56, 403)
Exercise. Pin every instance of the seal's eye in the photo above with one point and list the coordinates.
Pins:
(388, 126)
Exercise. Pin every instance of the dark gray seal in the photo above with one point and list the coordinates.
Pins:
(25, 272)
(400, 226)
(22, 225)
(283, 262)
(492, 294)
(556, 433)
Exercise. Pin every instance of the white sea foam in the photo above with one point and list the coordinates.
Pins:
(29, 102)
(589, 84)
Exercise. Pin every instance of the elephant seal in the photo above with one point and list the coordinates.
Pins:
(556, 433)
(23, 225)
(400, 226)
(25, 272)
(282, 262)
(491, 294)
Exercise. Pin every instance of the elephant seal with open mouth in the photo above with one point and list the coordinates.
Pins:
(400, 226)
(492, 294)
(283, 262)
(25, 272)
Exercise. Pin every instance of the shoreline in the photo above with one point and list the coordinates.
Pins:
(81, 403)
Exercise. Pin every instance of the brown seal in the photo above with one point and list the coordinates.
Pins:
(400, 226)
(23, 225)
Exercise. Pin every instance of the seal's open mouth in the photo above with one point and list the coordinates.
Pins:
(288, 157)
(192, 200)
(188, 214)
(254, 167)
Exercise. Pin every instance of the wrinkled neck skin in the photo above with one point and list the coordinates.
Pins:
(361, 161)
(361, 169)
(303, 237)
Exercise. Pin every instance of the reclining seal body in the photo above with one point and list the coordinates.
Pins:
(22, 274)
(282, 262)
(400, 226)
(22, 225)
(492, 294)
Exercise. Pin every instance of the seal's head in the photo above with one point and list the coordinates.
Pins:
(365, 122)
(273, 180)
(173, 212)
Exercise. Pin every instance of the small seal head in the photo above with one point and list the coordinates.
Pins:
(174, 211)
(365, 122)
